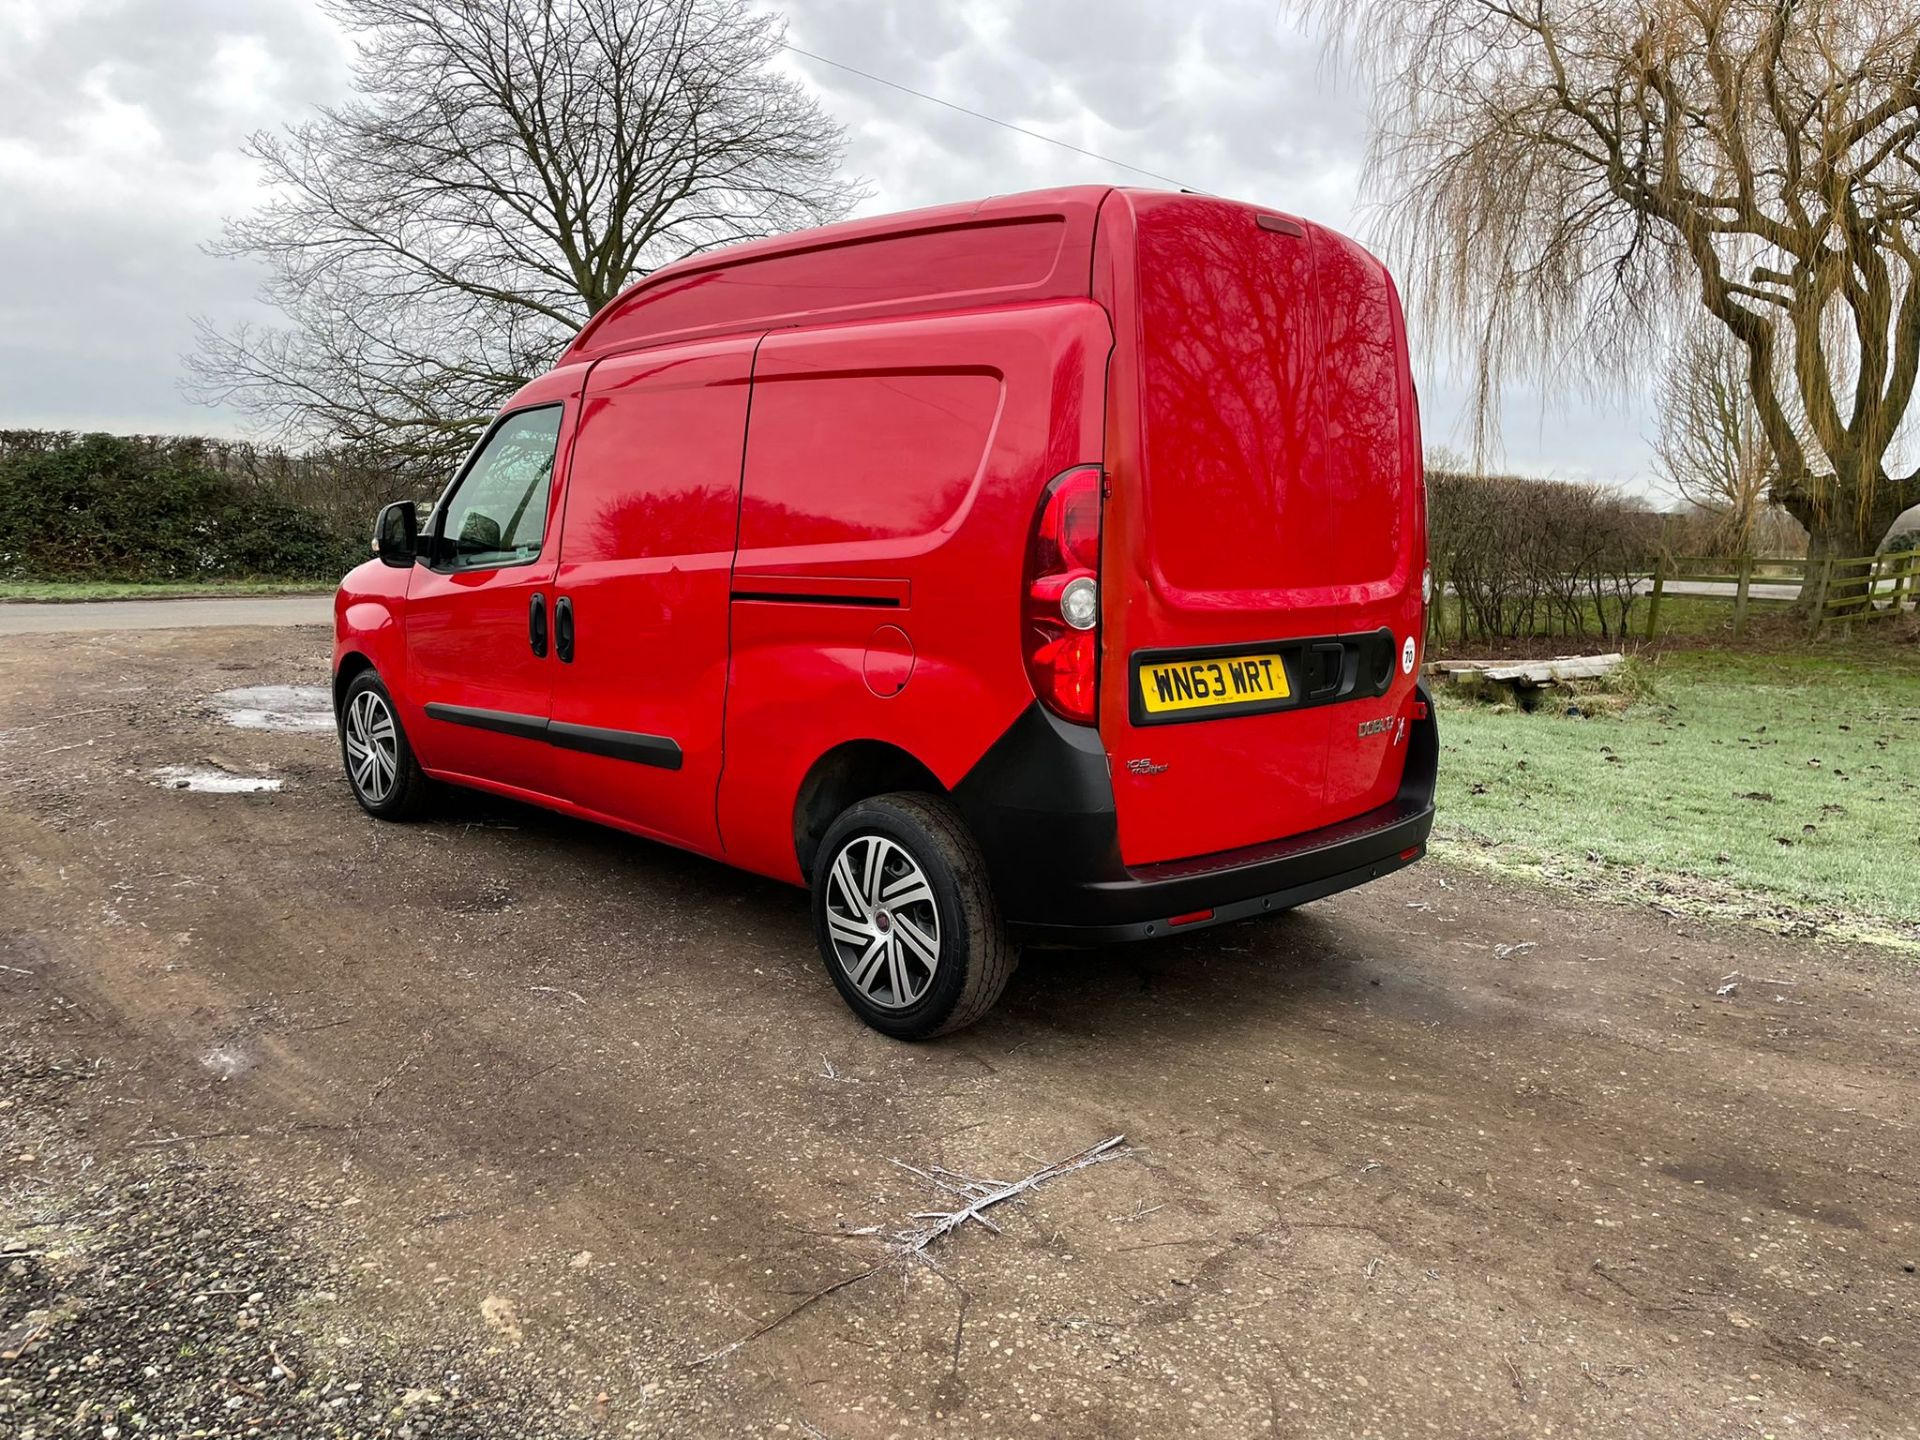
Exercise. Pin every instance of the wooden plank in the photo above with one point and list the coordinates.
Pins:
(1547, 672)
(1820, 596)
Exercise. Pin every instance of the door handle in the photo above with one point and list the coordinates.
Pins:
(1329, 670)
(563, 629)
(537, 624)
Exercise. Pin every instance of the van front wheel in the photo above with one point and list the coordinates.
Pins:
(906, 918)
(385, 777)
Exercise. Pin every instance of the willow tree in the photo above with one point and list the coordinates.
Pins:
(1566, 184)
(505, 168)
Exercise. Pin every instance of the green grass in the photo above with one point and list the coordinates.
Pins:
(136, 590)
(1790, 778)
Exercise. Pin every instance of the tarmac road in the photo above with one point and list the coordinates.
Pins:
(1439, 1156)
(31, 618)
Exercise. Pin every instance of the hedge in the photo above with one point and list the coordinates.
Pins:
(104, 507)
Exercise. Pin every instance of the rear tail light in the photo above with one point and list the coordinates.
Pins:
(1062, 623)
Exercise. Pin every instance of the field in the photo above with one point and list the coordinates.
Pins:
(1781, 779)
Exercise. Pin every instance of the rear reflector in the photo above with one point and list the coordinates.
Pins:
(1192, 917)
(1419, 709)
(1413, 854)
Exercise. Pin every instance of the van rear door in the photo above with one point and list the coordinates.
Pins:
(1263, 538)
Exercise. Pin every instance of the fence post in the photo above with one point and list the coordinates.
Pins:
(1740, 596)
(1659, 589)
(1820, 597)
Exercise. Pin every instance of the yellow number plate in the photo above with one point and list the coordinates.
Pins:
(1168, 686)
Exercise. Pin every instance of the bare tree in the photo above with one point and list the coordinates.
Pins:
(1561, 176)
(1711, 447)
(506, 168)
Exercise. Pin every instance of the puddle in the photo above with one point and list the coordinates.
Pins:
(275, 707)
(212, 782)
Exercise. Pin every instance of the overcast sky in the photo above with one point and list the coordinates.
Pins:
(121, 122)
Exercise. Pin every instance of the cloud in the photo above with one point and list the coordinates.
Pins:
(120, 130)
(121, 123)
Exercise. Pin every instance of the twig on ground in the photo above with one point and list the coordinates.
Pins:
(406, 1064)
(981, 1194)
(572, 995)
(910, 1245)
(791, 1311)
(1518, 1384)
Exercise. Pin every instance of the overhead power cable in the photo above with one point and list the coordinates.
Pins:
(990, 119)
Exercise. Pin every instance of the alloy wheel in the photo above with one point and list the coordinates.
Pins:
(883, 922)
(373, 746)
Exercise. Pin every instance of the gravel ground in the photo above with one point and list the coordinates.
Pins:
(530, 1117)
(160, 1297)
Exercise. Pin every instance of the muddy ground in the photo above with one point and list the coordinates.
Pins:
(502, 1116)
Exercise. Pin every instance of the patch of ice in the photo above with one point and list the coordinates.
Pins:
(213, 782)
(226, 1061)
(275, 707)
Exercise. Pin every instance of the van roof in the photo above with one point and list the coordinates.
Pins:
(1030, 246)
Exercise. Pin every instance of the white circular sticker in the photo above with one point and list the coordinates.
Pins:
(1406, 657)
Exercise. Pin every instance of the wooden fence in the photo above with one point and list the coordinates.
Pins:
(1868, 587)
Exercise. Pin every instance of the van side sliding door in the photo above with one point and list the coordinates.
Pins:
(640, 625)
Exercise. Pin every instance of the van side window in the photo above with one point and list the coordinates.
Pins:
(497, 514)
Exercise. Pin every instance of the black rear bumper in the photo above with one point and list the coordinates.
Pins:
(1041, 805)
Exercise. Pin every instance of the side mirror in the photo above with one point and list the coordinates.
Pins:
(396, 534)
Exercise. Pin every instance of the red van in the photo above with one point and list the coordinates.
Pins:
(1047, 569)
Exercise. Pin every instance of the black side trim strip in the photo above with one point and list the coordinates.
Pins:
(655, 750)
(502, 722)
(786, 597)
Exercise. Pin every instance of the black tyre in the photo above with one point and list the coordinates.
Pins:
(386, 779)
(906, 918)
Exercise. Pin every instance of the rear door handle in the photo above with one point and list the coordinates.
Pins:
(1328, 670)
(537, 624)
(563, 629)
